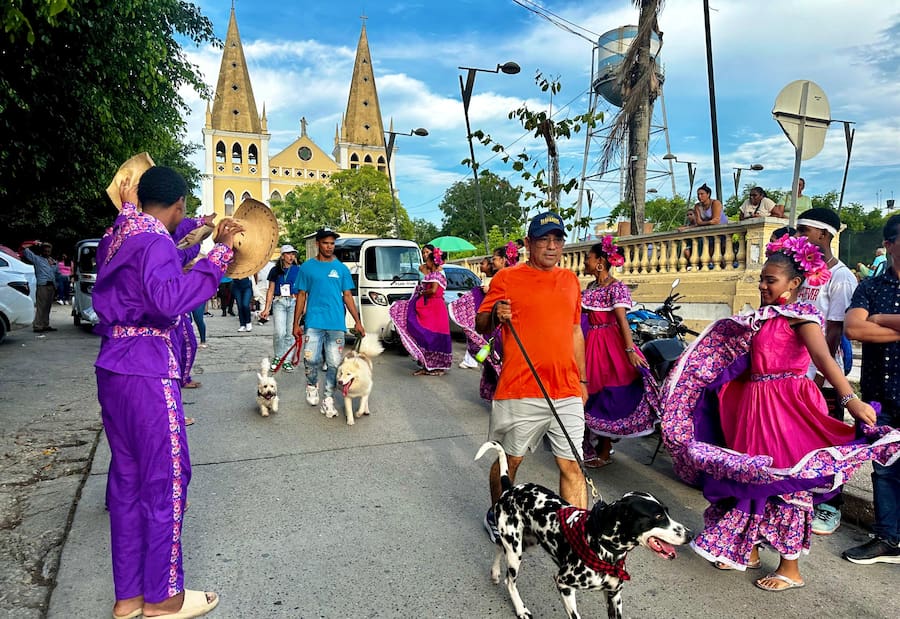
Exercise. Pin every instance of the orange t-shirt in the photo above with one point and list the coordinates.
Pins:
(546, 306)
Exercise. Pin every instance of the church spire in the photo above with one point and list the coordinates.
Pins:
(234, 108)
(362, 121)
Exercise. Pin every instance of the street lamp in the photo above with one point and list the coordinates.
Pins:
(389, 148)
(692, 171)
(510, 68)
(756, 167)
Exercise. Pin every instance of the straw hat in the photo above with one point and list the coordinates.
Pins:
(253, 247)
(131, 169)
(195, 236)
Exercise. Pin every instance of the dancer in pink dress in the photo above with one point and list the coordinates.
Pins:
(765, 450)
(623, 396)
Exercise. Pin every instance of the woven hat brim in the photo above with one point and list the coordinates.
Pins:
(253, 247)
(132, 169)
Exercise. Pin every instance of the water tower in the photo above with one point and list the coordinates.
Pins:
(609, 54)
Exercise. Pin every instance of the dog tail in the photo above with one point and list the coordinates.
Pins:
(370, 346)
(264, 368)
(505, 482)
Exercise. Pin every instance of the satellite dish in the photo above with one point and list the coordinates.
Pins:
(802, 110)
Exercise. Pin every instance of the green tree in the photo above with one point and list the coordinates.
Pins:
(424, 231)
(81, 91)
(304, 210)
(664, 213)
(499, 199)
(364, 205)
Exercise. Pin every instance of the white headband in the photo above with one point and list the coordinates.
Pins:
(815, 223)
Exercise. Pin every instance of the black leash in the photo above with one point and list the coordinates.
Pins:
(594, 494)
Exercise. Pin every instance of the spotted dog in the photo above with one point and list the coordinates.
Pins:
(588, 546)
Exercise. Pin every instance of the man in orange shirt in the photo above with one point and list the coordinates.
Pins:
(543, 301)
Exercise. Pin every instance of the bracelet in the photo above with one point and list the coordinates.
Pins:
(629, 349)
(846, 399)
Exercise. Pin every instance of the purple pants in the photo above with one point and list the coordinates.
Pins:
(147, 483)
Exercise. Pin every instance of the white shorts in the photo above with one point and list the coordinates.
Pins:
(519, 425)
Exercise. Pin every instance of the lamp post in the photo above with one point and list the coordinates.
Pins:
(692, 171)
(465, 88)
(389, 148)
(756, 167)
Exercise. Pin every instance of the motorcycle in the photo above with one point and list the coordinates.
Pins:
(660, 333)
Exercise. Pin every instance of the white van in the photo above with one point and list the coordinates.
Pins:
(383, 271)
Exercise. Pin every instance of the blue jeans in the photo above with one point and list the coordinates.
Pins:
(243, 292)
(282, 323)
(313, 341)
(197, 317)
(886, 485)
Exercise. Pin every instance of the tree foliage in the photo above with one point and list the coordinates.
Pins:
(83, 87)
(424, 231)
(664, 213)
(499, 199)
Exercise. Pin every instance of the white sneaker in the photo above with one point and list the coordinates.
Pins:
(312, 395)
(249, 327)
(466, 366)
(328, 407)
(242, 328)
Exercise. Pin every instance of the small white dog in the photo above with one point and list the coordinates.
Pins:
(266, 391)
(354, 376)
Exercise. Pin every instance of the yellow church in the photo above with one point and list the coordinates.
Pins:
(238, 164)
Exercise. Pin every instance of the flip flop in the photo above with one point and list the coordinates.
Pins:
(597, 463)
(193, 384)
(725, 567)
(195, 604)
(420, 372)
(188, 421)
(791, 584)
(135, 613)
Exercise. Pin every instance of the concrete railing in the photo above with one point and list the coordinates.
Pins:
(718, 266)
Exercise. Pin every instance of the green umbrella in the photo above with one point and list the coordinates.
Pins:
(452, 243)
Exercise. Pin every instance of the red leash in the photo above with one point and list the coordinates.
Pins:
(295, 360)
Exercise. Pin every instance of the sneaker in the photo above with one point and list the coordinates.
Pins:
(288, 366)
(490, 525)
(875, 550)
(827, 519)
(242, 328)
(274, 363)
(312, 395)
(249, 327)
(465, 366)
(59, 302)
(328, 408)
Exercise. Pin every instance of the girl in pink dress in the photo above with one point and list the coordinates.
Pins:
(765, 449)
(622, 394)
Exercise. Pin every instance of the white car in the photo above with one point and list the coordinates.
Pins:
(17, 289)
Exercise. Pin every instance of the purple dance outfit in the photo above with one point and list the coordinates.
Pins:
(141, 297)
(742, 422)
(424, 325)
(463, 312)
(622, 400)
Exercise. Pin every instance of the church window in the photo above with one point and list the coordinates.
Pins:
(365, 103)
(287, 172)
(367, 127)
(324, 175)
(381, 163)
(368, 159)
(234, 87)
(246, 195)
(235, 112)
(312, 174)
(305, 153)
(229, 203)
(274, 171)
(365, 61)
(220, 152)
(251, 154)
(237, 153)
(354, 161)
(234, 65)
(275, 196)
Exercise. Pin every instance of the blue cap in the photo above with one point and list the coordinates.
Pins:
(545, 223)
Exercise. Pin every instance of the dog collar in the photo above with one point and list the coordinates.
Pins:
(573, 521)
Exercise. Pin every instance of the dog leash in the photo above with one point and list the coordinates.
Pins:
(294, 360)
(594, 494)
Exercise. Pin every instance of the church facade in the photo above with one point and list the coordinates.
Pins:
(238, 163)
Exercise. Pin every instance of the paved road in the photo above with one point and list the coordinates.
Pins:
(301, 516)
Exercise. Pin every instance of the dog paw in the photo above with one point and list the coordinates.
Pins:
(264, 413)
(350, 421)
(525, 614)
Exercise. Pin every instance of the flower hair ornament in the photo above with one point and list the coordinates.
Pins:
(438, 256)
(806, 256)
(611, 251)
(512, 254)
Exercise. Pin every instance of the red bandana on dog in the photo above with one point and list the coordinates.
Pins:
(573, 520)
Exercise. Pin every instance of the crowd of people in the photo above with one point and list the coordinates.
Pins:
(753, 413)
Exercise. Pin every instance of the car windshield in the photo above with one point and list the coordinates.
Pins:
(385, 263)
(87, 259)
(461, 279)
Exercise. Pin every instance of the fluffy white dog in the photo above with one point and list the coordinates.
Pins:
(354, 376)
(266, 390)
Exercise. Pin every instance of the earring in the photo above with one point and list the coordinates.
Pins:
(783, 297)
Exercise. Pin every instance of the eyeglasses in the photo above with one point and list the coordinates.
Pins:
(544, 241)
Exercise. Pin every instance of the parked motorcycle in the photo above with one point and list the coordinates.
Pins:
(660, 333)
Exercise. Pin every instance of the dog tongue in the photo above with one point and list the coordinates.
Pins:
(345, 388)
(662, 548)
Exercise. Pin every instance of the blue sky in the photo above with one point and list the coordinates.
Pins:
(300, 56)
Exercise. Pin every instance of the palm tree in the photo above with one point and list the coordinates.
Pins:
(640, 85)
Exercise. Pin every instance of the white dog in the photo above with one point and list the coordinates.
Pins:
(354, 376)
(266, 391)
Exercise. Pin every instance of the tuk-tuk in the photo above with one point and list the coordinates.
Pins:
(85, 275)
(383, 271)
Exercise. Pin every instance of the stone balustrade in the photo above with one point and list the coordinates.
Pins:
(717, 266)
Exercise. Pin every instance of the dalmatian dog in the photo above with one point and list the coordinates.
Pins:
(589, 546)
